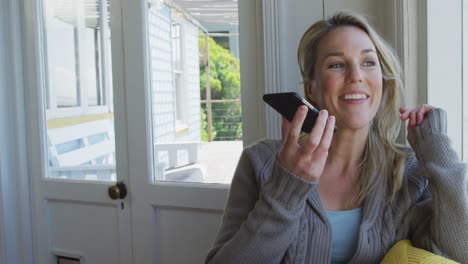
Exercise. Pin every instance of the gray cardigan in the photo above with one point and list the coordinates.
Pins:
(273, 216)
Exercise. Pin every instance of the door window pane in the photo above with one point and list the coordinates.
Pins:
(197, 125)
(62, 58)
(81, 143)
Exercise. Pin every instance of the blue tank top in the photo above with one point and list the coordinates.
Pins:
(345, 230)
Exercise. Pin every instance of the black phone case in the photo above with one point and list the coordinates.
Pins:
(287, 104)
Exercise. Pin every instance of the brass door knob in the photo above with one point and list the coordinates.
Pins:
(117, 191)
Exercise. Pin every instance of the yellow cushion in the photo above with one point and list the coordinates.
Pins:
(403, 252)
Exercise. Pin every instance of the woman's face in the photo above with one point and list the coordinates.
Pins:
(348, 78)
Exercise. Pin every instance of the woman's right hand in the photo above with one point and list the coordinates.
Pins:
(306, 160)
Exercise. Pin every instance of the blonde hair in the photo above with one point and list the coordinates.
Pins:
(383, 158)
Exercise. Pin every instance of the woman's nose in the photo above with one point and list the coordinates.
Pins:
(354, 74)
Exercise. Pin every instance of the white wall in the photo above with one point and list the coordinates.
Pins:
(444, 63)
(162, 80)
(293, 21)
(191, 83)
(162, 90)
(373, 9)
(15, 215)
(3, 177)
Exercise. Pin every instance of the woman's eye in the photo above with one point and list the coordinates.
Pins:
(337, 65)
(369, 63)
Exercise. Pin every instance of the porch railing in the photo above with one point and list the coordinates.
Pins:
(223, 119)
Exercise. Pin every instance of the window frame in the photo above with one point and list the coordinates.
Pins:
(464, 81)
(445, 78)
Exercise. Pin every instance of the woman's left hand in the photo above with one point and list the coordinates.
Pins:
(416, 116)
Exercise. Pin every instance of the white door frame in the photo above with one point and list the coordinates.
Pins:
(252, 68)
(140, 152)
(37, 150)
(15, 212)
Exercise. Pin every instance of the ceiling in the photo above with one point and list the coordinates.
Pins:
(211, 11)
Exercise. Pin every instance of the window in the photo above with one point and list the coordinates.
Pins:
(77, 48)
(181, 52)
(62, 59)
(80, 127)
(446, 84)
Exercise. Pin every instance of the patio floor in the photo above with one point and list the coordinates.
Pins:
(219, 160)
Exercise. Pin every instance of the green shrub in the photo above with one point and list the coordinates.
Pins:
(224, 84)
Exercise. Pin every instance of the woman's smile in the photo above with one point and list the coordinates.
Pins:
(354, 97)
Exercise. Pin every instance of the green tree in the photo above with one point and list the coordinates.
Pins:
(224, 84)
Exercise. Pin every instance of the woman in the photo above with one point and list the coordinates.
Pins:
(348, 196)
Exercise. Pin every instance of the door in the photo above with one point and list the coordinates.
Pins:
(81, 209)
(118, 171)
(180, 169)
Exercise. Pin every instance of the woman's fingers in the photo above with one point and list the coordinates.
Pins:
(308, 159)
(423, 111)
(285, 126)
(316, 134)
(412, 118)
(315, 160)
(415, 116)
(290, 151)
(404, 113)
(327, 137)
(294, 130)
(420, 114)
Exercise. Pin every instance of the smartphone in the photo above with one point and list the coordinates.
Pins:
(287, 104)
